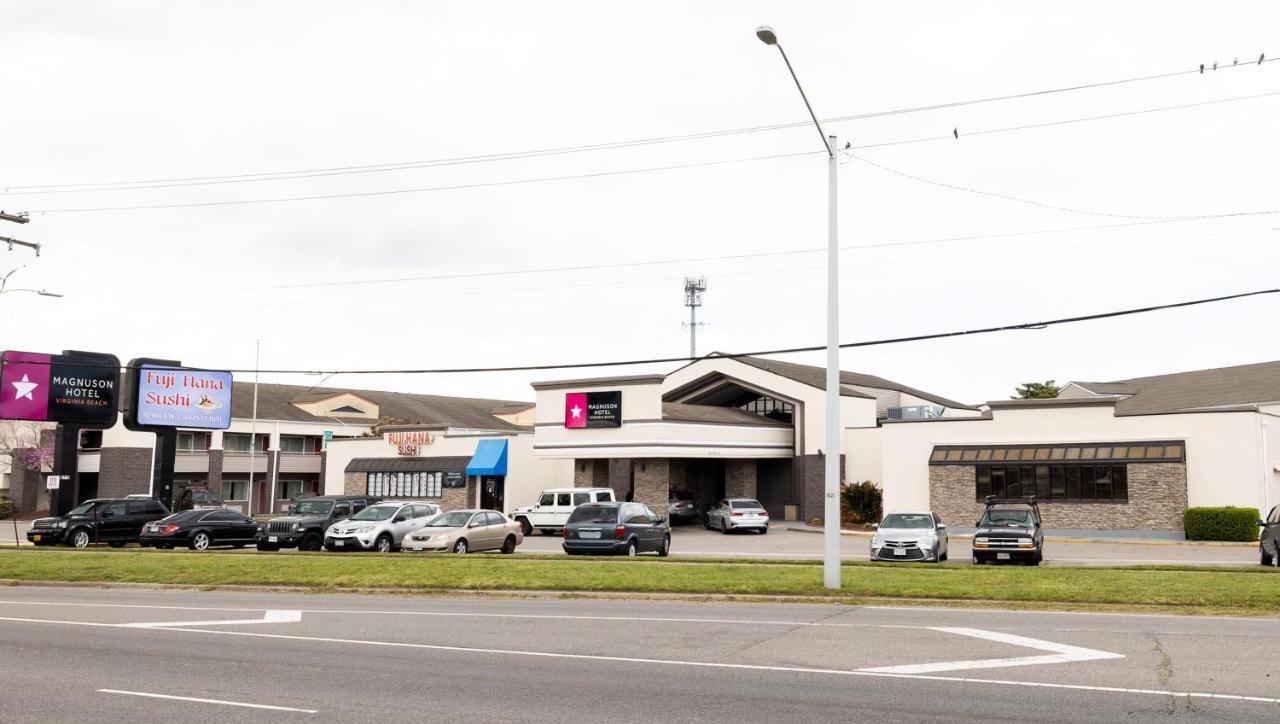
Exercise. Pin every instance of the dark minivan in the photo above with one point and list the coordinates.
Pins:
(616, 529)
(115, 521)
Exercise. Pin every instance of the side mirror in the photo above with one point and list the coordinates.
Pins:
(1262, 523)
(942, 526)
(875, 526)
(473, 524)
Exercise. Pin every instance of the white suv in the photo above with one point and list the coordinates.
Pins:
(381, 527)
(552, 510)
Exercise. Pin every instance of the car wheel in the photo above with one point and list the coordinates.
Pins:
(631, 549)
(509, 545)
(311, 542)
(117, 544)
(665, 550)
(525, 526)
(724, 527)
(978, 561)
(706, 523)
(267, 547)
(460, 546)
(80, 538)
(1033, 562)
(764, 530)
(200, 541)
(943, 557)
(383, 544)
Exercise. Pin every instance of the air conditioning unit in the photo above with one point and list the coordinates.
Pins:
(915, 412)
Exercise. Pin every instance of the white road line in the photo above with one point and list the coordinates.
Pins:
(198, 700)
(271, 616)
(693, 664)
(1063, 654)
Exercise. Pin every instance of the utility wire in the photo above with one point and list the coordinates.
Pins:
(788, 350)
(620, 172)
(561, 150)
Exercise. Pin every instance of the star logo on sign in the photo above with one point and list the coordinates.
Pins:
(23, 388)
(577, 411)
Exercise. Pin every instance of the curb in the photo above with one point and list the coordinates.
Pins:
(1056, 539)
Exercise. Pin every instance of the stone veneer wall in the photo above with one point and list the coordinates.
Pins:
(215, 470)
(590, 473)
(124, 471)
(740, 478)
(653, 484)
(26, 487)
(810, 475)
(1157, 500)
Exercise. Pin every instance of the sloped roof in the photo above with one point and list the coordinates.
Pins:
(682, 412)
(275, 402)
(816, 377)
(1221, 387)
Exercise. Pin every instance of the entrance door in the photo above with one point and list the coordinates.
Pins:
(493, 492)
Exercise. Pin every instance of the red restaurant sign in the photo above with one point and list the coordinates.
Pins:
(410, 442)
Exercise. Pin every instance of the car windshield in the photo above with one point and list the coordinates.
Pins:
(376, 512)
(205, 496)
(82, 509)
(907, 520)
(453, 519)
(594, 514)
(682, 495)
(313, 507)
(1006, 516)
(744, 504)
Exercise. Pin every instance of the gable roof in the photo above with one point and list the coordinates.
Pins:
(682, 412)
(275, 402)
(1220, 387)
(817, 377)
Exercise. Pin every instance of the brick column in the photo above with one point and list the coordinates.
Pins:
(621, 474)
(24, 485)
(740, 478)
(269, 483)
(124, 471)
(215, 470)
(590, 473)
(653, 484)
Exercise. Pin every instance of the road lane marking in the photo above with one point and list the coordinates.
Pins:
(198, 700)
(677, 662)
(271, 616)
(1063, 654)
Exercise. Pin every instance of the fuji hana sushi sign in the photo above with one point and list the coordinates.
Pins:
(169, 397)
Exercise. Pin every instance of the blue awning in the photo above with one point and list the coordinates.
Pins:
(490, 458)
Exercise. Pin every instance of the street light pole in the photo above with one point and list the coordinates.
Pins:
(831, 486)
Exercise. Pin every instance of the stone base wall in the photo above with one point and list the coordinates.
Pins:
(810, 477)
(1157, 500)
(740, 478)
(354, 483)
(26, 487)
(124, 471)
(653, 484)
(590, 473)
(620, 476)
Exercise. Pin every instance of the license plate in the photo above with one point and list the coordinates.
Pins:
(1002, 556)
(899, 551)
(417, 548)
(273, 539)
(339, 544)
(35, 537)
(588, 534)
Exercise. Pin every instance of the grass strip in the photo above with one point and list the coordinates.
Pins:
(1248, 590)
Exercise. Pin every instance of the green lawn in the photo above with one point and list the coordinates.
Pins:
(1249, 590)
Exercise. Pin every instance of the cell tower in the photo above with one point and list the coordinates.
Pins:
(693, 289)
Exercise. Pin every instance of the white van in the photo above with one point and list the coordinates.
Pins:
(552, 510)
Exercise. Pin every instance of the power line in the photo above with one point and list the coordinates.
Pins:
(788, 350)
(143, 184)
(620, 172)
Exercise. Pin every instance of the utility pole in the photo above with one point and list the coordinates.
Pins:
(693, 289)
(19, 218)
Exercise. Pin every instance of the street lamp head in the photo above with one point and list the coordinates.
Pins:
(766, 35)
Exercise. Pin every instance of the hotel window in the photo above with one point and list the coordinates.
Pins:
(1067, 483)
(403, 485)
(293, 444)
(769, 407)
(193, 442)
(235, 489)
(235, 442)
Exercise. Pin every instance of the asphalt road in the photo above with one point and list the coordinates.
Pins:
(76, 654)
(782, 543)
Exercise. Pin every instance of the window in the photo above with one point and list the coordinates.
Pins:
(115, 509)
(90, 440)
(139, 507)
(357, 505)
(602, 497)
(495, 519)
(293, 444)
(193, 442)
(222, 516)
(235, 442)
(1071, 483)
(297, 488)
(580, 498)
(562, 499)
(235, 489)
(547, 499)
(1164, 452)
(342, 510)
(769, 407)
(403, 485)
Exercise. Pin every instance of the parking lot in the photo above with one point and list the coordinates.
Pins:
(783, 543)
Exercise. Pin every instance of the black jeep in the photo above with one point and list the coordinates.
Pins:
(1010, 529)
(304, 527)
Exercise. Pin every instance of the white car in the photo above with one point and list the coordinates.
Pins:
(910, 535)
(732, 514)
(381, 527)
(552, 510)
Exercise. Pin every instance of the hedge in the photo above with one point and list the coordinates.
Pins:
(1221, 524)
(7, 508)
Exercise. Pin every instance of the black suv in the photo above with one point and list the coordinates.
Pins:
(1010, 530)
(115, 521)
(1270, 538)
(304, 527)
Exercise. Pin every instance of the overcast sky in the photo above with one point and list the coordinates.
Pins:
(138, 91)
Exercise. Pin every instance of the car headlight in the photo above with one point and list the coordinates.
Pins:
(62, 524)
(980, 539)
(876, 541)
(297, 526)
(929, 541)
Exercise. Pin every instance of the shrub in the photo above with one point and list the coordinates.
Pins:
(1221, 524)
(7, 508)
(861, 502)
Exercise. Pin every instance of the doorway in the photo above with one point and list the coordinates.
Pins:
(88, 487)
(493, 492)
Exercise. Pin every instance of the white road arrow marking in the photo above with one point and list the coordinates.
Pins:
(1062, 654)
(271, 616)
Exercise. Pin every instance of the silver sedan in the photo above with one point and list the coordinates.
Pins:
(738, 514)
(912, 535)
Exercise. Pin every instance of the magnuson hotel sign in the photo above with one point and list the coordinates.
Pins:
(593, 409)
(75, 388)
